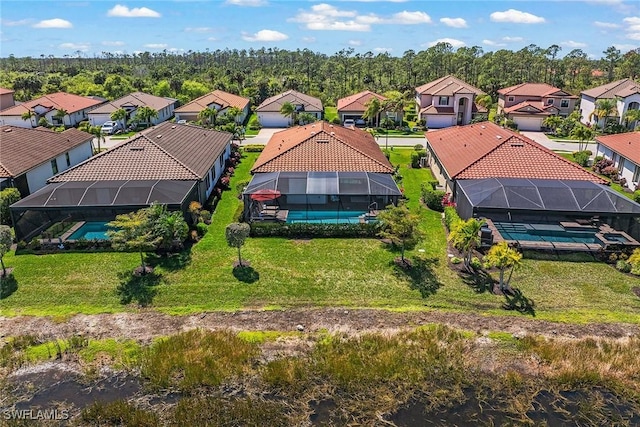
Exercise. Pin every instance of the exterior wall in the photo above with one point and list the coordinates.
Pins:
(467, 116)
(628, 169)
(17, 122)
(207, 184)
(587, 106)
(190, 117)
(623, 104)
(38, 176)
(72, 119)
(423, 100)
(6, 101)
(439, 173)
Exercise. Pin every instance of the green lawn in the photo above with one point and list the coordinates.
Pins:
(319, 272)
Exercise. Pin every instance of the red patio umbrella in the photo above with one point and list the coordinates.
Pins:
(265, 195)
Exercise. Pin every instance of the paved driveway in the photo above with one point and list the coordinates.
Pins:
(264, 135)
(543, 140)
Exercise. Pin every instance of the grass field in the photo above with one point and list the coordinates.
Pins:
(318, 272)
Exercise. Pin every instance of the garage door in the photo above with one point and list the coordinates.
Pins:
(439, 122)
(273, 120)
(529, 123)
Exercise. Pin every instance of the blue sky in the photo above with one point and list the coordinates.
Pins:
(34, 28)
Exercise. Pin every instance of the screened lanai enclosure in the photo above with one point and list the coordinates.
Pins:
(95, 201)
(562, 213)
(318, 197)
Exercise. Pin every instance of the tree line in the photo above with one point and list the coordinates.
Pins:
(261, 73)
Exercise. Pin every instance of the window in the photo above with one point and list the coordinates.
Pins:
(67, 158)
(511, 98)
(54, 166)
(550, 101)
(444, 100)
(621, 164)
(221, 160)
(564, 103)
(636, 174)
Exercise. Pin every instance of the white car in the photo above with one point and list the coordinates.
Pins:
(349, 123)
(109, 128)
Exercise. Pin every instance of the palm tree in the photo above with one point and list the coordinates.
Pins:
(604, 109)
(208, 116)
(145, 114)
(374, 107)
(288, 110)
(465, 236)
(97, 132)
(234, 112)
(61, 114)
(631, 117)
(29, 115)
(552, 122)
(120, 116)
(583, 133)
(503, 257)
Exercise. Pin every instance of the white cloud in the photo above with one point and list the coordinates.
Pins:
(516, 17)
(606, 24)
(410, 18)
(574, 45)
(625, 47)
(454, 22)
(453, 42)
(355, 42)
(508, 39)
(53, 23)
(617, 5)
(265, 36)
(83, 47)
(212, 39)
(121, 11)
(250, 3)
(16, 23)
(633, 27)
(382, 49)
(156, 45)
(492, 43)
(175, 50)
(309, 39)
(198, 30)
(112, 43)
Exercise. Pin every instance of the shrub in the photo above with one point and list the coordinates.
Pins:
(582, 157)
(253, 148)
(309, 230)
(415, 158)
(201, 228)
(610, 171)
(419, 147)
(456, 260)
(623, 266)
(450, 216)
(239, 213)
(205, 216)
(634, 261)
(432, 198)
(600, 163)
(476, 264)
(8, 196)
(240, 186)
(636, 196)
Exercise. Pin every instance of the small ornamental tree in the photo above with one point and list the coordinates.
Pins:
(465, 236)
(5, 245)
(134, 231)
(502, 256)
(8, 196)
(401, 226)
(236, 234)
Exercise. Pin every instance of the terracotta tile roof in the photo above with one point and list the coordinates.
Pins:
(537, 90)
(274, 103)
(54, 101)
(619, 88)
(322, 147)
(447, 86)
(625, 144)
(486, 150)
(135, 99)
(477, 108)
(358, 101)
(4, 91)
(532, 108)
(166, 151)
(434, 109)
(22, 149)
(219, 97)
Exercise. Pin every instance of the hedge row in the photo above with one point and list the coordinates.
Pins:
(310, 230)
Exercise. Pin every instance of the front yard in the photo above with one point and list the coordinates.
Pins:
(320, 272)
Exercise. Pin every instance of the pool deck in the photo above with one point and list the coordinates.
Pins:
(69, 232)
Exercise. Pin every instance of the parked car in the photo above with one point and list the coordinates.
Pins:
(109, 128)
(361, 123)
(349, 123)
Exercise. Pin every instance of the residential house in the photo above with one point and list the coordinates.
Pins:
(269, 114)
(6, 98)
(528, 194)
(624, 150)
(217, 99)
(47, 106)
(130, 103)
(528, 104)
(320, 173)
(29, 157)
(171, 163)
(447, 101)
(625, 93)
(353, 108)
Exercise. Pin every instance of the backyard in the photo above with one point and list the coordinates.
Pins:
(350, 273)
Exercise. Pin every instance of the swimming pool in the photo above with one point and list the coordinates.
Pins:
(325, 217)
(96, 230)
(544, 233)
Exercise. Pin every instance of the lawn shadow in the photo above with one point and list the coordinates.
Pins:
(420, 272)
(517, 301)
(246, 274)
(478, 280)
(8, 285)
(173, 261)
(138, 288)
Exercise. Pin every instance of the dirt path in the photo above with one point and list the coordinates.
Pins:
(145, 325)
